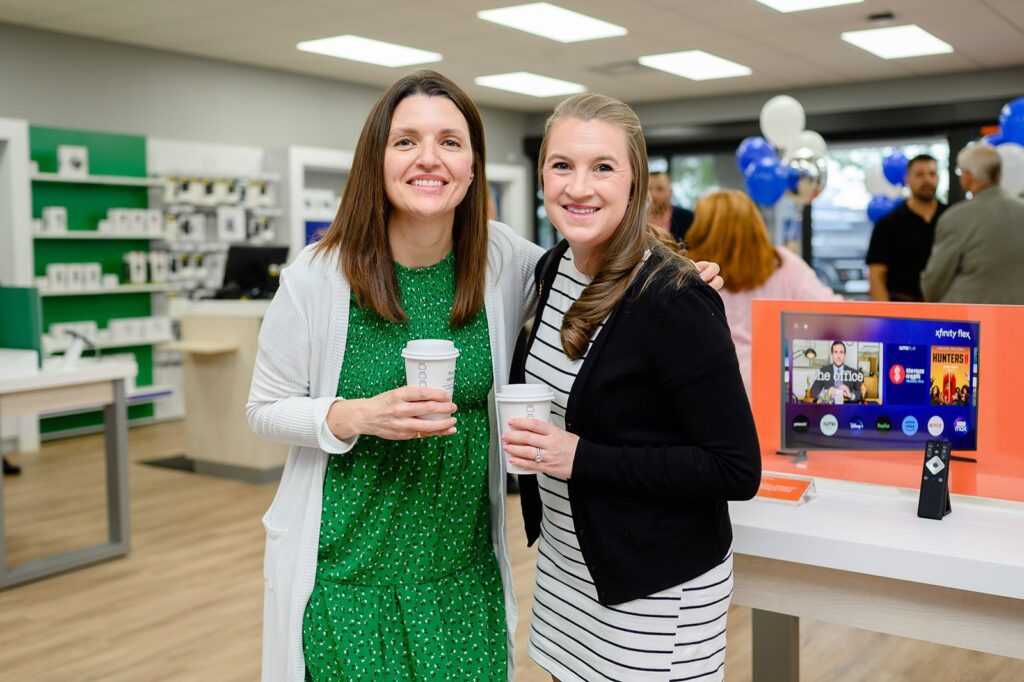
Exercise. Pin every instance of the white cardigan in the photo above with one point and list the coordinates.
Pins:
(295, 381)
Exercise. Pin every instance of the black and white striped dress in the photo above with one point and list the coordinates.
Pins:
(675, 634)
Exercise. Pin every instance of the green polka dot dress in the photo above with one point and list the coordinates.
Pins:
(407, 584)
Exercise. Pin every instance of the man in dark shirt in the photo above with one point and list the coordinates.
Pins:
(663, 214)
(902, 240)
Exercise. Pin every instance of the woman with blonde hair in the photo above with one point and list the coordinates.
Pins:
(728, 228)
(650, 430)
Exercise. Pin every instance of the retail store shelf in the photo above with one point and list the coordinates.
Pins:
(123, 289)
(124, 181)
(93, 234)
(104, 345)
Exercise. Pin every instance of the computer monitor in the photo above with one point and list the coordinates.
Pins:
(878, 383)
(250, 271)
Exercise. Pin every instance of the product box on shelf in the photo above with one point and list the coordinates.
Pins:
(138, 221)
(120, 220)
(158, 266)
(76, 276)
(154, 222)
(92, 275)
(230, 224)
(135, 267)
(72, 161)
(57, 277)
(55, 219)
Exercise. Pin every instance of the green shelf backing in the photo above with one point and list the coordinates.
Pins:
(109, 254)
(87, 204)
(109, 153)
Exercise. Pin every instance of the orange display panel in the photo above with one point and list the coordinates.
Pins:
(999, 470)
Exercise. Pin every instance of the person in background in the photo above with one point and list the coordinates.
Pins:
(979, 244)
(664, 214)
(902, 240)
(728, 229)
(650, 430)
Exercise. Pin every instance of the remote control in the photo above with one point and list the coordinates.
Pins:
(934, 500)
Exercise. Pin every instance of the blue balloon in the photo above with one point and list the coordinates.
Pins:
(894, 167)
(752, 150)
(765, 183)
(879, 206)
(1011, 121)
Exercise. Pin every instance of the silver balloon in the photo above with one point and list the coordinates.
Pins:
(811, 171)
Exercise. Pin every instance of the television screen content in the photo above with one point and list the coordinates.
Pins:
(878, 383)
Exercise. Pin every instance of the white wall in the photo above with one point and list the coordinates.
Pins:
(65, 81)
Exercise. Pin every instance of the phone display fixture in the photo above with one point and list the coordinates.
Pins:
(934, 500)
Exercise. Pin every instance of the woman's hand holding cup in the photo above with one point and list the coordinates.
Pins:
(395, 415)
(531, 437)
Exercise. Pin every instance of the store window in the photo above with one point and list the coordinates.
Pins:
(841, 229)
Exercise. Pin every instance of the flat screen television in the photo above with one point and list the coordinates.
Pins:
(854, 382)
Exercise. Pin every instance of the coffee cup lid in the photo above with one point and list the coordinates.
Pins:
(430, 349)
(522, 392)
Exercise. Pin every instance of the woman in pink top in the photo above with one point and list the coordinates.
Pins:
(728, 229)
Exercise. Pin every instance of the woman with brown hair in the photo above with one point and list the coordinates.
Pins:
(650, 430)
(728, 228)
(386, 554)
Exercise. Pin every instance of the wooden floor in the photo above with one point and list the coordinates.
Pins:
(186, 604)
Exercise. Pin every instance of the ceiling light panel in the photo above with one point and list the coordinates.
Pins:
(801, 5)
(360, 49)
(897, 42)
(697, 65)
(532, 84)
(553, 22)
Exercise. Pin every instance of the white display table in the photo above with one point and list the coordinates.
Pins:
(87, 387)
(858, 555)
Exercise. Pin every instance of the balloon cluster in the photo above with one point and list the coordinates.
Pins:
(885, 184)
(1009, 142)
(801, 171)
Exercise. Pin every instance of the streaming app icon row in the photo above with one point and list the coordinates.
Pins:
(829, 425)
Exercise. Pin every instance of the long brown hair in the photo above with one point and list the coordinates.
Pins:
(359, 232)
(728, 229)
(621, 257)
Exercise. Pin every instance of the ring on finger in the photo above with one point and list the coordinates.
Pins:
(540, 457)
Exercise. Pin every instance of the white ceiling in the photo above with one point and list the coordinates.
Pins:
(785, 51)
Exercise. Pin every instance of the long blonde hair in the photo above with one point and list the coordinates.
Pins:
(728, 229)
(621, 257)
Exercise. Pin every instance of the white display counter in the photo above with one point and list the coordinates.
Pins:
(858, 555)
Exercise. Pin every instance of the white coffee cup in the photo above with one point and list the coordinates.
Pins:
(522, 401)
(431, 362)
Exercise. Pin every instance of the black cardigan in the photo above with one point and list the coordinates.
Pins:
(666, 437)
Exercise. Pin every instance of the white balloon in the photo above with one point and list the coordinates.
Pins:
(782, 120)
(809, 139)
(877, 185)
(1012, 155)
